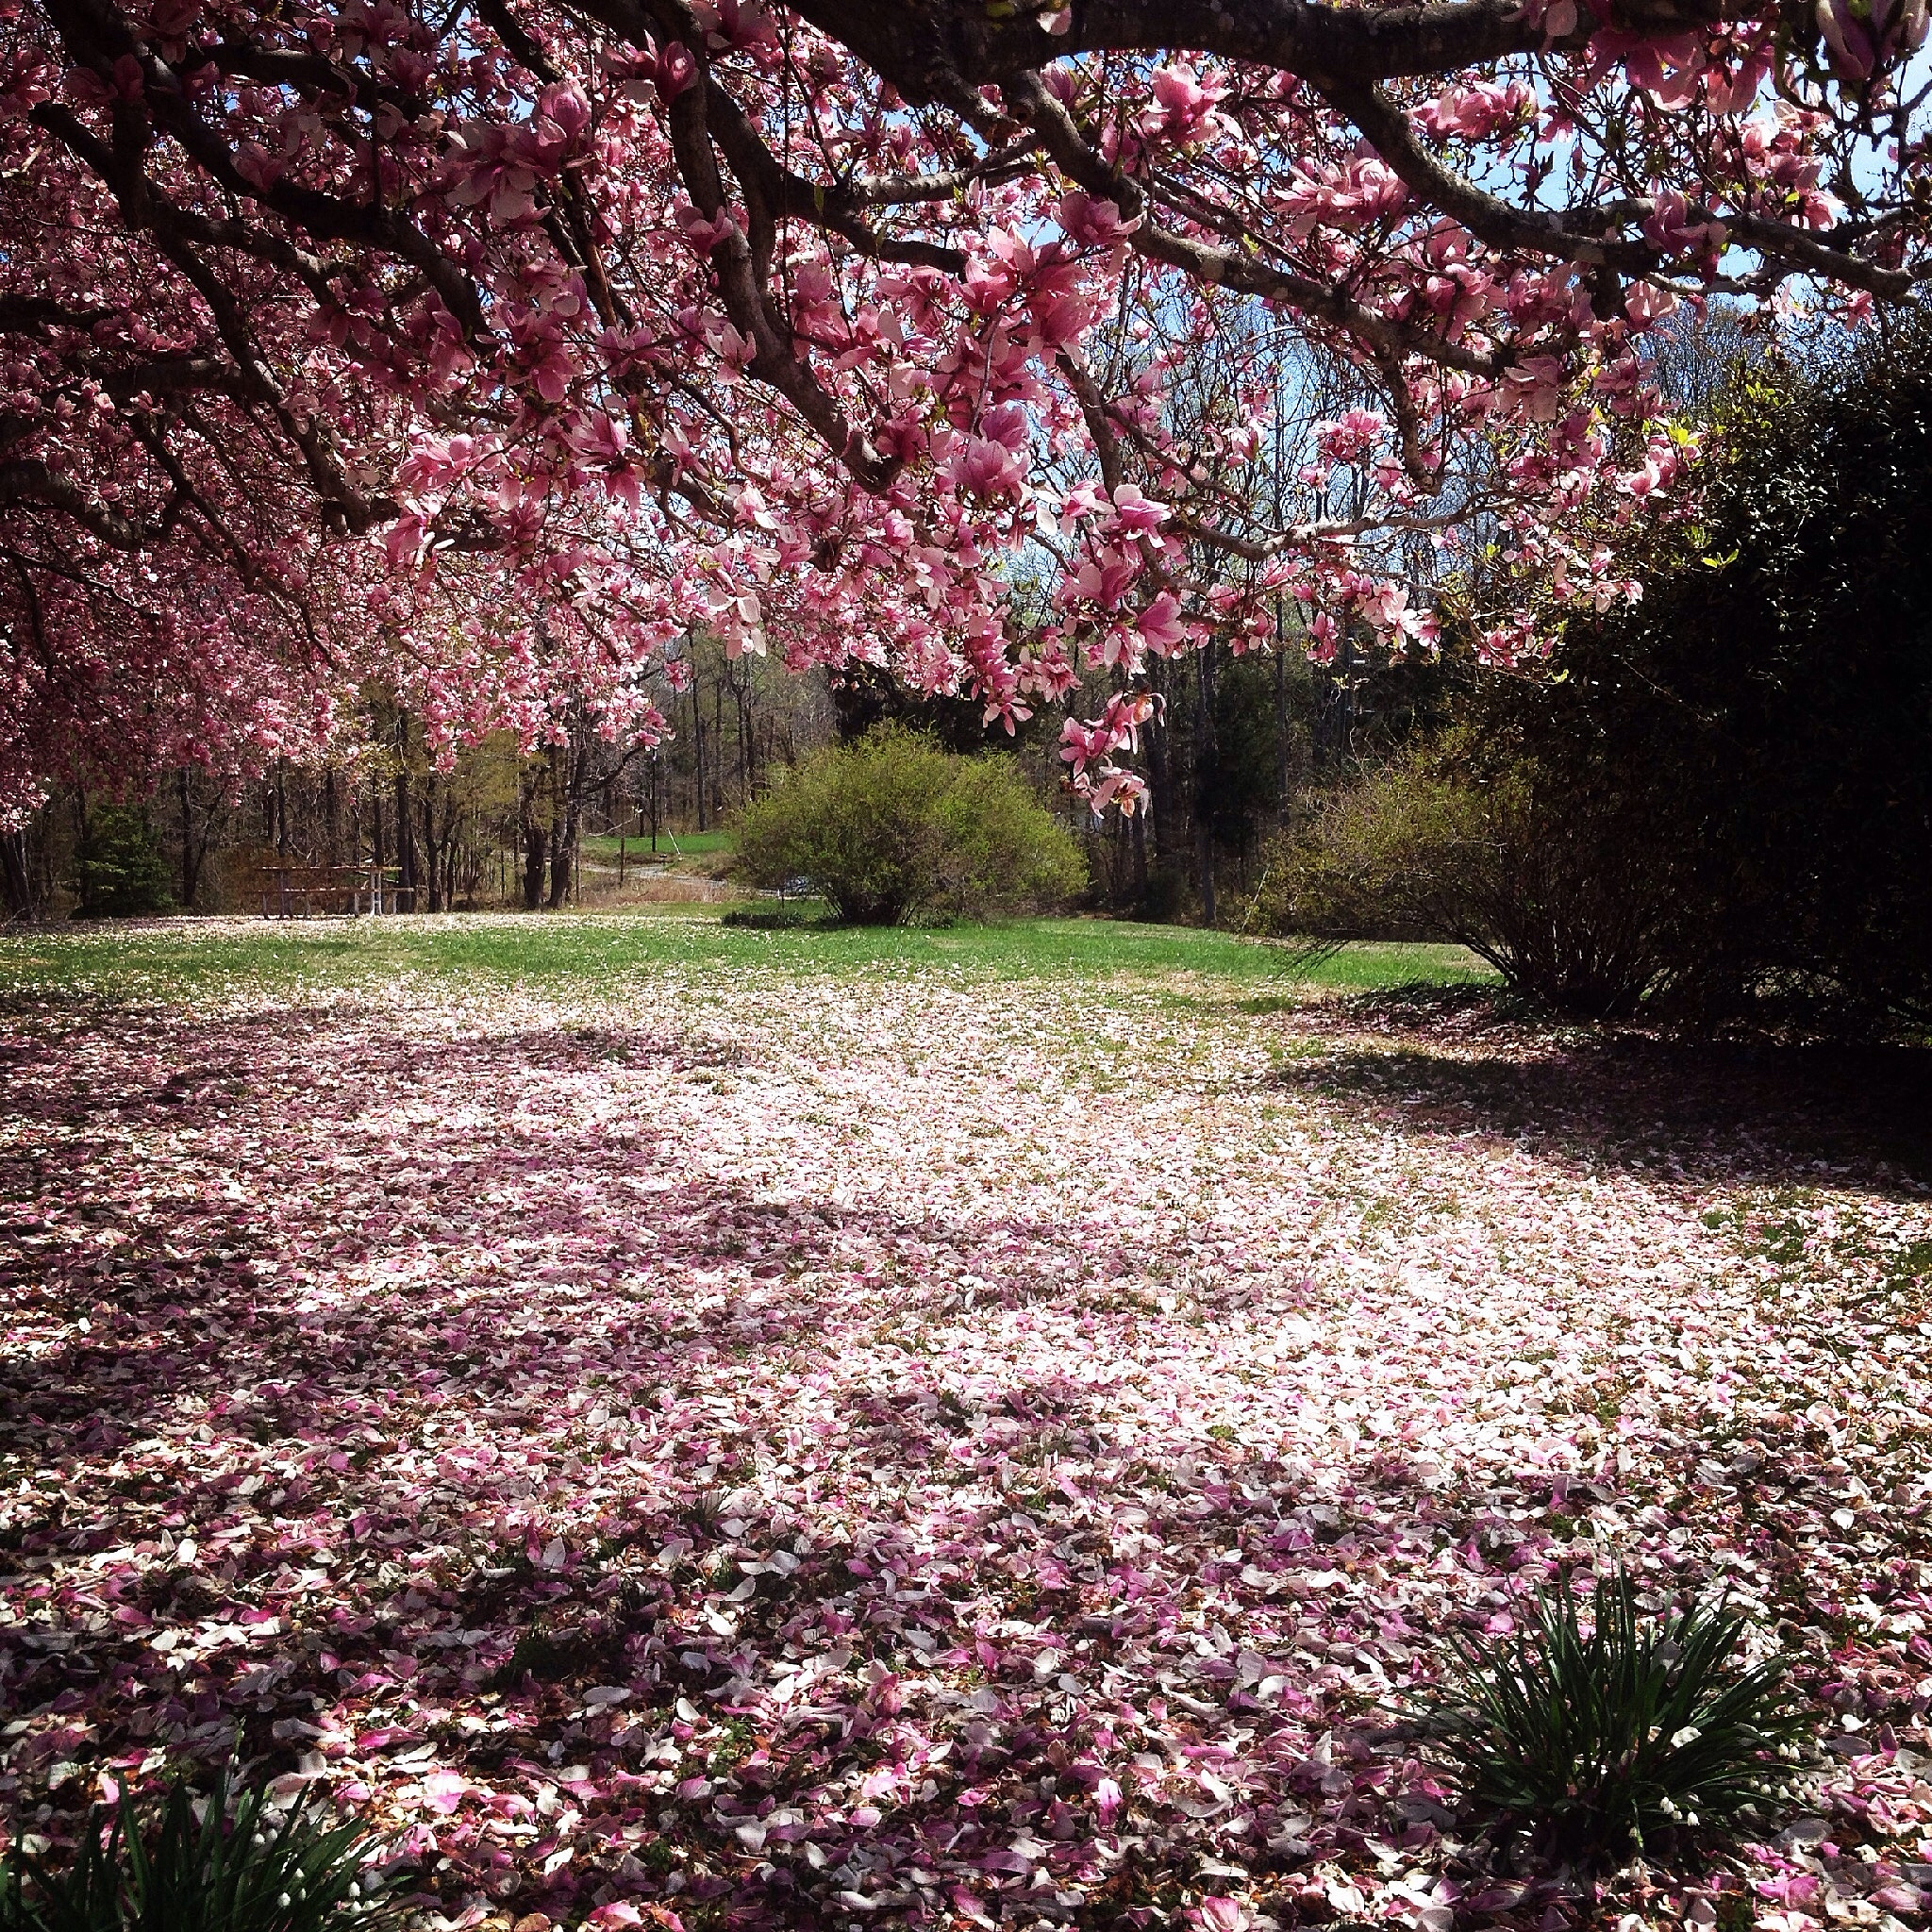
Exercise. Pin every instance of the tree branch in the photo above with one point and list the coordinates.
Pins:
(1222, 267)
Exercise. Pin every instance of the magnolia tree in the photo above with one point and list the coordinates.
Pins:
(485, 347)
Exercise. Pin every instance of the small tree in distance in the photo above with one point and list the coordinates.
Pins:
(119, 872)
(891, 826)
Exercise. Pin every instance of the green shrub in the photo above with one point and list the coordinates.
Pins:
(1569, 903)
(1717, 806)
(119, 872)
(1362, 863)
(1001, 849)
(891, 826)
(1643, 1736)
(158, 1868)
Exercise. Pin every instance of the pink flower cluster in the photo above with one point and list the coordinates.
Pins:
(486, 359)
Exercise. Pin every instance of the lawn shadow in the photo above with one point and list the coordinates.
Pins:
(663, 1607)
(1453, 1063)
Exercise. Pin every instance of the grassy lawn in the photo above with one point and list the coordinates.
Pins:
(158, 961)
(604, 850)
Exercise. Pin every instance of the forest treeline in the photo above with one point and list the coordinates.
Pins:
(1242, 745)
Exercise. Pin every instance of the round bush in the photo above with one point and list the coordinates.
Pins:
(1548, 880)
(891, 826)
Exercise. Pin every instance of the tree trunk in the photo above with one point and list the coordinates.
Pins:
(378, 847)
(1167, 856)
(195, 842)
(559, 850)
(451, 841)
(564, 847)
(697, 744)
(406, 840)
(431, 871)
(16, 873)
(1205, 775)
(533, 838)
(1283, 780)
(190, 862)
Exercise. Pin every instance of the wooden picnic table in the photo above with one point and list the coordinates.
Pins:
(299, 892)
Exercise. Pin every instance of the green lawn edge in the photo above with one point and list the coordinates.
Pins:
(165, 960)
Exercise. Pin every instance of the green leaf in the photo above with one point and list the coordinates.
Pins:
(154, 1866)
(1593, 1745)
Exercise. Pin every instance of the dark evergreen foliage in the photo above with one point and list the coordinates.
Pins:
(119, 872)
(1717, 805)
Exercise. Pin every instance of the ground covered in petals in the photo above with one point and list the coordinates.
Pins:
(907, 1439)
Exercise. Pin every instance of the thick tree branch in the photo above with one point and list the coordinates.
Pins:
(29, 480)
(933, 51)
(96, 36)
(774, 360)
(788, 196)
(1222, 267)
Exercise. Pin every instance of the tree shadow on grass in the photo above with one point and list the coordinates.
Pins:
(1453, 1063)
(349, 1474)
(963, 1630)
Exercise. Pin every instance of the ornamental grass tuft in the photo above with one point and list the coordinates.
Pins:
(179, 1865)
(1644, 1737)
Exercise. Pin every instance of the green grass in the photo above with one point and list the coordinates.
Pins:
(162, 962)
(603, 848)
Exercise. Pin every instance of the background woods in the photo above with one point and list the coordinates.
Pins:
(487, 826)
(1240, 746)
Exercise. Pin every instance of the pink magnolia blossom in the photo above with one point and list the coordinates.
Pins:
(418, 338)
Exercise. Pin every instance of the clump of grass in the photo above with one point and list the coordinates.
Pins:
(160, 1868)
(1645, 1736)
